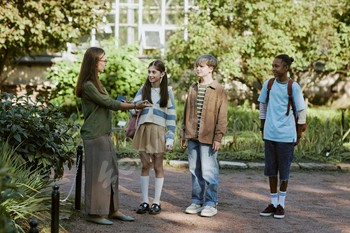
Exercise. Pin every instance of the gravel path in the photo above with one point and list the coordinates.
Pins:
(316, 202)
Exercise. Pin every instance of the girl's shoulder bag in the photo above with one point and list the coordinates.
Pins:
(132, 125)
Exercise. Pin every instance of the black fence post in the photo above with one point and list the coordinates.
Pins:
(33, 226)
(55, 209)
(79, 177)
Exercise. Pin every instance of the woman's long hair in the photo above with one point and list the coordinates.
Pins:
(89, 72)
(164, 95)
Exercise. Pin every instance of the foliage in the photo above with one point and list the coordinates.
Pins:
(65, 74)
(24, 201)
(124, 74)
(6, 224)
(31, 26)
(245, 36)
(40, 132)
(126, 152)
(322, 142)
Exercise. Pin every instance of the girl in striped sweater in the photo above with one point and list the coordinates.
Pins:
(151, 136)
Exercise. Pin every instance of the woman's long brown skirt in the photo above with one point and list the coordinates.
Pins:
(101, 176)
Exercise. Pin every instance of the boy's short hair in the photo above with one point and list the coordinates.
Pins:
(208, 60)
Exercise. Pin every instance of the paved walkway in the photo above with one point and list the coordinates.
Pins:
(317, 201)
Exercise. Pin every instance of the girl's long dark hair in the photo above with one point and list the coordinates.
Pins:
(164, 95)
(89, 72)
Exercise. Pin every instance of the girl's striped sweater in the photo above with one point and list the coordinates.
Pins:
(161, 116)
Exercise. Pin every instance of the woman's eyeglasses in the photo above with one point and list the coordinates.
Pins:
(104, 61)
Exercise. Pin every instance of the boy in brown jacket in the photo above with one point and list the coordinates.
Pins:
(204, 125)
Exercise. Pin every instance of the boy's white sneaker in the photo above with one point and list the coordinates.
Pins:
(194, 208)
(209, 211)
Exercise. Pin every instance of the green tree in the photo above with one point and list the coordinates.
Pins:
(30, 26)
(245, 36)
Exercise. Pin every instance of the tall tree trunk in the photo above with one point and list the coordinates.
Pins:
(3, 63)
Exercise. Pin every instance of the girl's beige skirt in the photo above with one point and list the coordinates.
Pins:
(150, 138)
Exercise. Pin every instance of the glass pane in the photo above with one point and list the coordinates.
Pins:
(84, 39)
(168, 33)
(152, 39)
(136, 34)
(136, 16)
(103, 36)
(123, 17)
(129, 1)
(106, 33)
(151, 12)
(123, 35)
(173, 11)
(113, 30)
(110, 18)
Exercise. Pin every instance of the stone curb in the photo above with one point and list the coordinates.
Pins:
(317, 166)
(294, 167)
(232, 165)
(129, 162)
(248, 165)
(178, 163)
(256, 166)
(343, 166)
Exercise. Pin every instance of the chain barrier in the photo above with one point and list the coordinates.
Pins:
(75, 177)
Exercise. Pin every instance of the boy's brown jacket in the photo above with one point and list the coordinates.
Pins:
(214, 114)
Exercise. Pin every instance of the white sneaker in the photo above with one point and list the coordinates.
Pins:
(194, 208)
(209, 211)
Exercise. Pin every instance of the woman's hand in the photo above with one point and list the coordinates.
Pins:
(143, 104)
(168, 148)
(128, 101)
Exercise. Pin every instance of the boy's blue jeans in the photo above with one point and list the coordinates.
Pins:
(205, 169)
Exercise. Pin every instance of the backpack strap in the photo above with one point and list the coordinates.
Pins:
(269, 86)
(290, 101)
(290, 94)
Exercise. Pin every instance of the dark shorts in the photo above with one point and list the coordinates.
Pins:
(278, 158)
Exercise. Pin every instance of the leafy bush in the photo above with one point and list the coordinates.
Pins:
(123, 75)
(25, 194)
(65, 74)
(39, 132)
(322, 142)
(7, 191)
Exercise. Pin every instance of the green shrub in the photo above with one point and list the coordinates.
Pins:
(7, 191)
(64, 75)
(39, 132)
(238, 118)
(124, 75)
(23, 190)
(322, 142)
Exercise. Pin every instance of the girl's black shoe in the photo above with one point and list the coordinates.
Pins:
(155, 209)
(143, 208)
